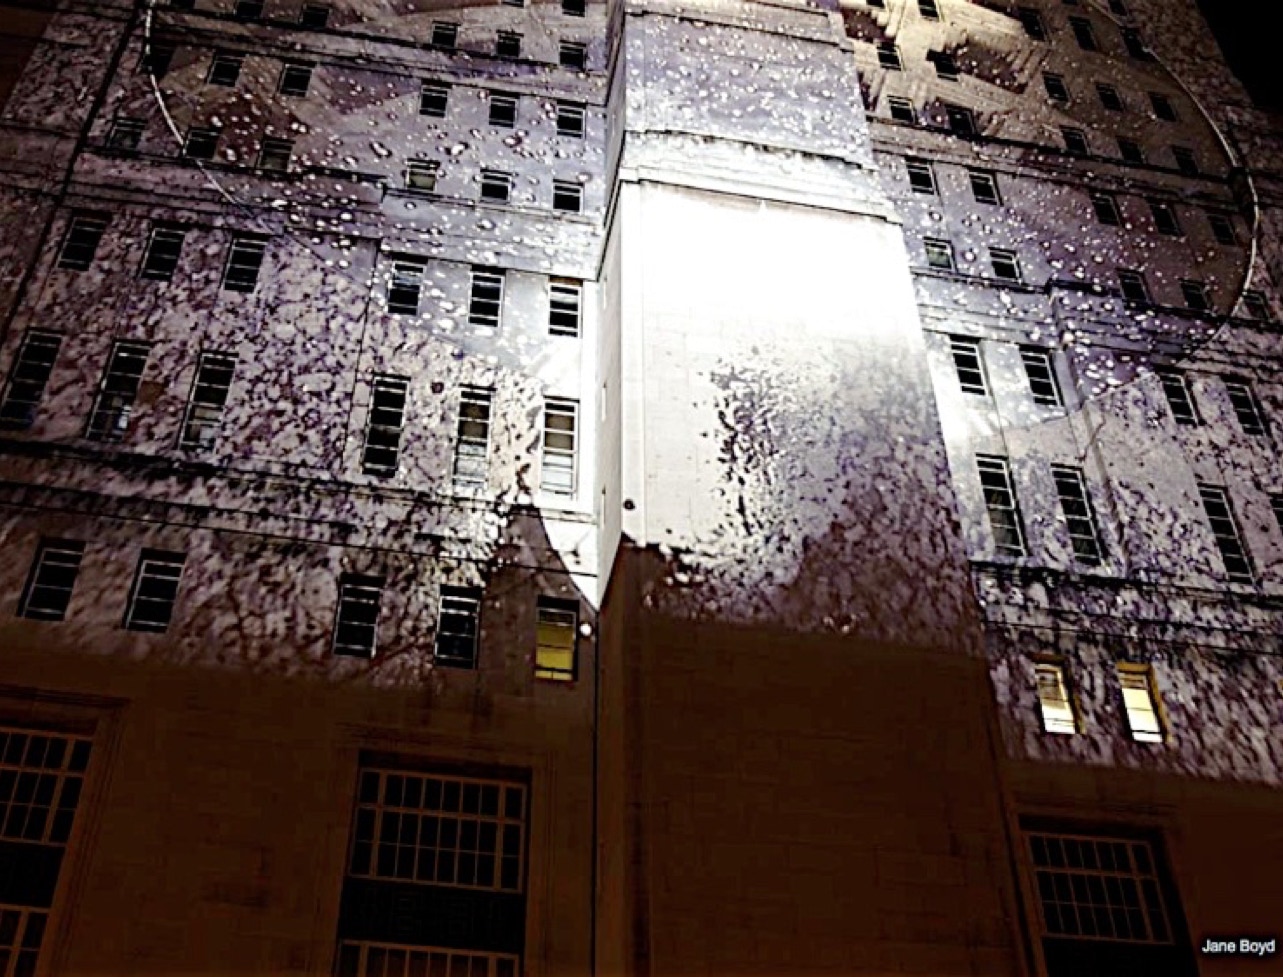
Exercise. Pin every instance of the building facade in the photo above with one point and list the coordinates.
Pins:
(643, 488)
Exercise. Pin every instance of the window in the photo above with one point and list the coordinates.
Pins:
(421, 174)
(572, 54)
(570, 120)
(1186, 161)
(155, 589)
(1255, 305)
(1000, 502)
(1276, 506)
(458, 627)
(1118, 7)
(274, 155)
(889, 56)
(164, 247)
(157, 57)
(928, 9)
(1130, 151)
(1162, 106)
(969, 365)
(1106, 208)
(1040, 369)
(1222, 226)
(210, 388)
(962, 121)
(485, 302)
(1080, 516)
(315, 15)
(567, 196)
(249, 9)
(1075, 141)
(1055, 86)
(1005, 264)
(1054, 705)
(939, 254)
(1229, 541)
(125, 134)
(433, 99)
(946, 66)
(503, 110)
(51, 580)
(1195, 294)
(296, 79)
(117, 391)
(1135, 44)
(560, 422)
(1140, 703)
(901, 109)
(80, 243)
(384, 424)
(28, 378)
(984, 187)
(1179, 401)
(356, 621)
(225, 69)
(565, 309)
(880, 4)
(921, 177)
(445, 35)
(1247, 408)
(514, 3)
(1083, 33)
(201, 143)
(403, 290)
(244, 260)
(1110, 98)
(1031, 20)
(472, 447)
(507, 44)
(1165, 218)
(573, 8)
(556, 623)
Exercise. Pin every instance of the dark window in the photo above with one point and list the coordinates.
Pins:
(1075, 141)
(28, 378)
(565, 306)
(201, 143)
(1276, 506)
(570, 120)
(80, 243)
(1179, 401)
(225, 69)
(969, 366)
(921, 177)
(503, 110)
(1083, 33)
(1130, 151)
(296, 79)
(117, 391)
(445, 35)
(889, 55)
(962, 121)
(51, 580)
(1162, 106)
(1118, 7)
(1031, 20)
(1110, 98)
(151, 600)
(274, 155)
(383, 427)
(1055, 86)
(472, 444)
(1186, 161)
(421, 174)
(568, 196)
(984, 187)
(901, 109)
(164, 247)
(946, 65)
(404, 289)
(1255, 305)
(249, 9)
(1080, 517)
(507, 44)
(210, 389)
(1195, 294)
(485, 303)
(573, 8)
(434, 98)
(1106, 208)
(496, 186)
(1000, 502)
(315, 15)
(356, 620)
(514, 3)
(1133, 286)
(556, 626)
(1005, 264)
(1040, 368)
(1135, 44)
(928, 9)
(157, 57)
(1165, 218)
(939, 254)
(125, 134)
(1222, 226)
(1246, 407)
(1220, 515)
(571, 54)
(244, 261)
(880, 4)
(458, 628)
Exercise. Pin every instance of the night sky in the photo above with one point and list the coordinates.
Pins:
(1250, 49)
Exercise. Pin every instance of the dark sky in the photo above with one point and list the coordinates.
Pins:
(1250, 47)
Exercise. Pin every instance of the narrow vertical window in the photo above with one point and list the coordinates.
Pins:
(507, 44)
(1055, 87)
(384, 425)
(472, 444)
(296, 79)
(1140, 703)
(1247, 408)
(485, 302)
(51, 580)
(921, 177)
(405, 286)
(117, 391)
(1080, 516)
(205, 405)
(567, 196)
(1040, 369)
(565, 309)
(1133, 286)
(155, 590)
(496, 186)
(572, 54)
(445, 35)
(434, 99)
(356, 620)
(1229, 541)
(458, 628)
(1054, 704)
(1181, 404)
(244, 261)
(560, 423)
(556, 624)
(1000, 502)
(28, 378)
(969, 365)
(164, 247)
(81, 241)
(570, 120)
(225, 69)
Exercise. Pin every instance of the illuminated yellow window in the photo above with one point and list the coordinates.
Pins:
(1053, 699)
(556, 624)
(1141, 703)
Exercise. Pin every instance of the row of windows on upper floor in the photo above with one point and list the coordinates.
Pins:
(154, 592)
(319, 16)
(213, 382)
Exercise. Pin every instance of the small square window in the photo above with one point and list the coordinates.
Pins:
(1186, 161)
(1005, 264)
(485, 303)
(315, 16)
(496, 186)
(1133, 286)
(503, 110)
(1222, 226)
(405, 286)
(296, 79)
(458, 628)
(51, 580)
(572, 54)
(445, 35)
(573, 8)
(1140, 703)
(201, 144)
(921, 177)
(1195, 294)
(1165, 218)
(565, 306)
(155, 591)
(556, 627)
(901, 109)
(421, 174)
(80, 244)
(1031, 20)
(1162, 106)
(570, 120)
(274, 155)
(244, 262)
(225, 69)
(1106, 208)
(507, 44)
(28, 378)
(1084, 34)
(356, 620)
(946, 65)
(1055, 86)
(1075, 141)
(962, 121)
(984, 187)
(939, 254)
(889, 56)
(210, 389)
(1256, 306)
(567, 196)
(434, 98)
(969, 366)
(125, 134)
(1055, 706)
(1110, 98)
(1130, 151)
(164, 247)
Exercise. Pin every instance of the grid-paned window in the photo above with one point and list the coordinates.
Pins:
(1000, 503)
(384, 425)
(984, 187)
(1055, 707)
(1195, 295)
(507, 44)
(154, 591)
(225, 69)
(1222, 226)
(1005, 264)
(1031, 20)
(51, 580)
(1133, 286)
(1140, 703)
(1098, 888)
(405, 287)
(969, 365)
(434, 99)
(901, 109)
(556, 627)
(1130, 150)
(939, 254)
(1080, 515)
(567, 196)
(1055, 87)
(458, 627)
(80, 243)
(315, 15)
(560, 434)
(370, 958)
(1165, 218)
(1075, 141)
(472, 444)
(164, 247)
(274, 155)
(28, 378)
(356, 619)
(946, 65)
(244, 261)
(1256, 306)
(1162, 106)
(503, 110)
(1040, 369)
(1247, 408)
(1109, 97)
(296, 79)
(117, 391)
(1179, 401)
(421, 174)
(125, 134)
(889, 56)
(572, 54)
(1084, 34)
(1229, 541)
(1106, 208)
(1186, 161)
(565, 306)
(570, 120)
(201, 143)
(485, 299)
(496, 186)
(962, 121)
(921, 177)
(445, 35)
(210, 389)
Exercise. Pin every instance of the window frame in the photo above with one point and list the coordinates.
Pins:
(462, 603)
(972, 377)
(57, 556)
(429, 94)
(555, 456)
(385, 425)
(206, 415)
(161, 568)
(1135, 678)
(289, 84)
(244, 264)
(999, 471)
(81, 240)
(1056, 712)
(548, 659)
(1044, 389)
(354, 595)
(1227, 534)
(940, 254)
(117, 393)
(482, 277)
(1079, 515)
(470, 463)
(35, 384)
